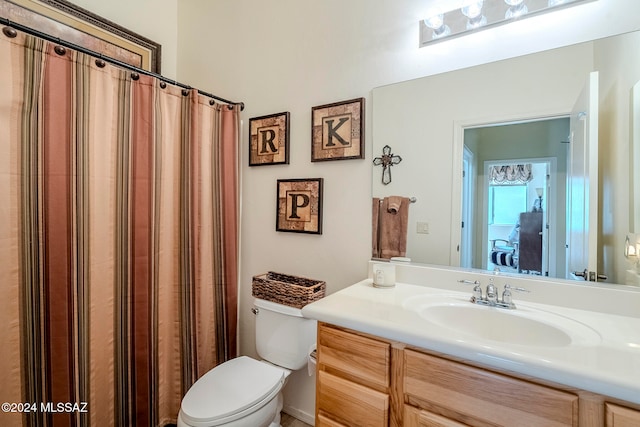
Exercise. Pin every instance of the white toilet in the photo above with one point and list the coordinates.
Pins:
(244, 392)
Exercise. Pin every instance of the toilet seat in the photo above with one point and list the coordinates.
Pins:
(231, 391)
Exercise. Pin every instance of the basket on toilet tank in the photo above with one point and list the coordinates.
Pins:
(286, 289)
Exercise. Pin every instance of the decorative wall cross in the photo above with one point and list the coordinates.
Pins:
(387, 160)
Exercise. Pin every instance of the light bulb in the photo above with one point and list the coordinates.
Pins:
(472, 8)
(436, 23)
(516, 8)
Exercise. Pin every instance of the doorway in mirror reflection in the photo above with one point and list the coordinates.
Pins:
(514, 197)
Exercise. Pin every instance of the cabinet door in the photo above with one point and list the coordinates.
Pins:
(484, 396)
(350, 403)
(619, 416)
(414, 417)
(361, 359)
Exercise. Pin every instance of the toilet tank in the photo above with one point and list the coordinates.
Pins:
(283, 336)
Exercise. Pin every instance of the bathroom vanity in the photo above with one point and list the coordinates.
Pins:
(418, 355)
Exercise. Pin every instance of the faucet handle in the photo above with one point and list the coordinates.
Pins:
(469, 282)
(477, 290)
(507, 297)
(508, 288)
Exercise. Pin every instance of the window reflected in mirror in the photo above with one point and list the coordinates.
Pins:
(505, 203)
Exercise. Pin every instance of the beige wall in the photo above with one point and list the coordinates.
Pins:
(153, 19)
(289, 55)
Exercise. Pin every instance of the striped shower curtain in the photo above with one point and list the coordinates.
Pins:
(118, 240)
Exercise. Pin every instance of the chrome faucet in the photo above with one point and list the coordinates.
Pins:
(491, 299)
(492, 293)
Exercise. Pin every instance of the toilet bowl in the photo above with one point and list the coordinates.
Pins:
(245, 392)
(241, 392)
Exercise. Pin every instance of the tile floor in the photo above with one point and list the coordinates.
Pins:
(288, 421)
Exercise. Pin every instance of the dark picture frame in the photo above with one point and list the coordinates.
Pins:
(299, 205)
(269, 140)
(73, 24)
(337, 131)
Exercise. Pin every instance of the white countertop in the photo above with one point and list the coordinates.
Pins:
(609, 365)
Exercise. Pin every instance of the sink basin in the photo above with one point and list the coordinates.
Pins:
(523, 326)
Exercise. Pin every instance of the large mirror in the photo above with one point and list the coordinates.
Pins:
(635, 161)
(504, 116)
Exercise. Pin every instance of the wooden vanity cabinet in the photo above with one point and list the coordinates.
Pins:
(620, 416)
(352, 386)
(467, 395)
(369, 381)
(414, 417)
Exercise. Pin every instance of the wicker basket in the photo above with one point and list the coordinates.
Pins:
(288, 290)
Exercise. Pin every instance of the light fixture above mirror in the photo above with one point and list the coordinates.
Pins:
(476, 15)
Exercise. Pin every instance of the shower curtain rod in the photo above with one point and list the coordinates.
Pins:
(48, 37)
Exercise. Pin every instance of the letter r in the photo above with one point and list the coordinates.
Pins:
(267, 136)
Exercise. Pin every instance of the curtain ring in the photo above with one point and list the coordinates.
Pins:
(163, 84)
(212, 102)
(135, 76)
(230, 106)
(60, 50)
(9, 32)
(242, 106)
(185, 92)
(100, 63)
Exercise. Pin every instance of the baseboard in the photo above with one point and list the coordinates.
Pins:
(301, 415)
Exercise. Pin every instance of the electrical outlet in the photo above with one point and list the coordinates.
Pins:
(422, 227)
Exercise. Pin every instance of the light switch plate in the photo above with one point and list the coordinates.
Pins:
(422, 227)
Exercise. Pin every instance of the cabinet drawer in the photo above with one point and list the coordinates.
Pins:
(619, 416)
(350, 403)
(484, 396)
(362, 359)
(322, 421)
(414, 417)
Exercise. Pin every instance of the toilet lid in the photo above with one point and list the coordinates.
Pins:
(230, 388)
